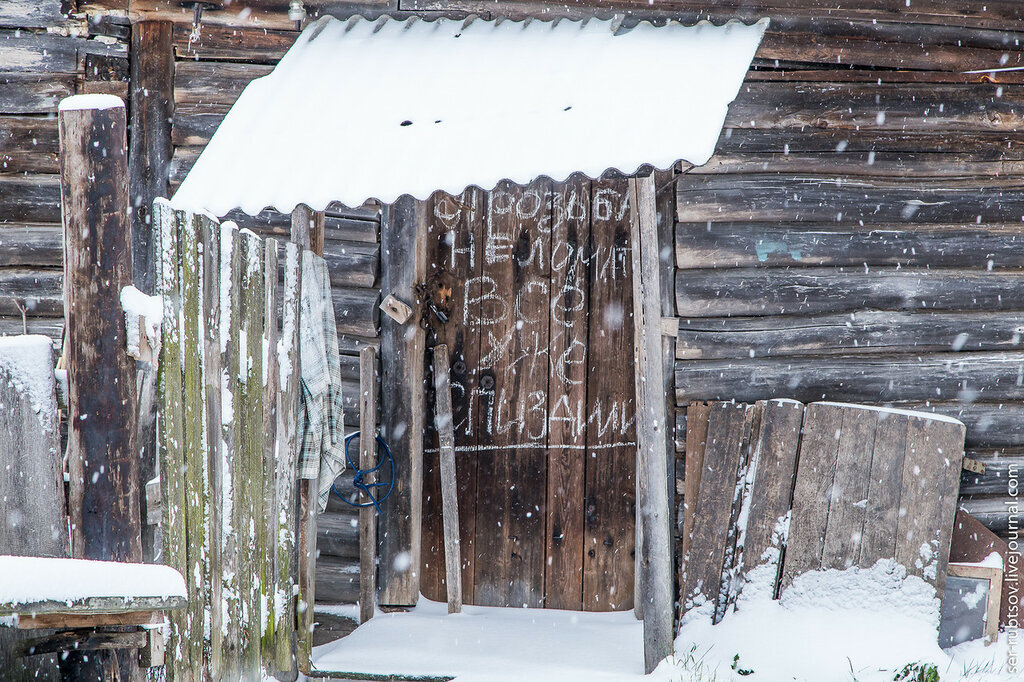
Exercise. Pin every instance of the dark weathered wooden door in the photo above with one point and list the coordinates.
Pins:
(535, 284)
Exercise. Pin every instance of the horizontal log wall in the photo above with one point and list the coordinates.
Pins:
(857, 235)
(46, 54)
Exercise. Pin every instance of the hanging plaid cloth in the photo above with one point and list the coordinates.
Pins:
(322, 427)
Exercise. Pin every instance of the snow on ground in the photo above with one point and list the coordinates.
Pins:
(33, 579)
(859, 624)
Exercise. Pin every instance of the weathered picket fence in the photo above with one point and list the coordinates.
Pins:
(228, 403)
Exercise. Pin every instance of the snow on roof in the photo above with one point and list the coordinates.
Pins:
(363, 110)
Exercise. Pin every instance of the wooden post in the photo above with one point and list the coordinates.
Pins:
(655, 550)
(402, 346)
(304, 222)
(103, 459)
(271, 394)
(444, 422)
(367, 460)
(149, 160)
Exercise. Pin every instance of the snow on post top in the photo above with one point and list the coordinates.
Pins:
(90, 101)
(25, 580)
(27, 360)
(364, 109)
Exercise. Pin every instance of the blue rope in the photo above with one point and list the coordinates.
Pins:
(358, 479)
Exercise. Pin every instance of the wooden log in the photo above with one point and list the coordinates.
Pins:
(403, 249)
(288, 444)
(996, 478)
(991, 511)
(103, 460)
(861, 332)
(744, 245)
(654, 560)
(909, 107)
(882, 164)
(992, 145)
(875, 201)
(233, 42)
(444, 422)
(30, 93)
(30, 198)
(32, 292)
(811, 291)
(205, 82)
(193, 124)
(338, 535)
(337, 580)
(938, 376)
(32, 13)
(367, 460)
(29, 144)
(152, 106)
(83, 640)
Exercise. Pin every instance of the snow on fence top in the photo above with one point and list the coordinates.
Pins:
(26, 580)
(28, 360)
(90, 101)
(361, 109)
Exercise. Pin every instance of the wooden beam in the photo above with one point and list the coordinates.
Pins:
(152, 108)
(403, 265)
(367, 460)
(103, 457)
(655, 534)
(444, 422)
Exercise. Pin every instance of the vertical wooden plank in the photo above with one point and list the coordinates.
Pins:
(567, 392)
(152, 108)
(449, 492)
(249, 447)
(367, 460)
(816, 469)
(844, 528)
(697, 415)
(453, 262)
(773, 469)
(102, 454)
(510, 552)
(271, 391)
(195, 457)
(655, 556)
(881, 516)
(610, 481)
(727, 423)
(170, 435)
(931, 480)
(212, 379)
(403, 265)
(231, 542)
(287, 451)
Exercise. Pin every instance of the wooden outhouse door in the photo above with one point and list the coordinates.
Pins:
(535, 284)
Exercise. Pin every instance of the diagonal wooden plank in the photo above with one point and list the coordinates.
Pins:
(816, 467)
(844, 528)
(703, 575)
(931, 481)
(773, 470)
(881, 515)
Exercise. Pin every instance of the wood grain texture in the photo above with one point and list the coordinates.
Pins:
(403, 243)
(567, 392)
(444, 423)
(856, 333)
(844, 529)
(103, 460)
(697, 415)
(367, 460)
(815, 473)
(610, 519)
(881, 514)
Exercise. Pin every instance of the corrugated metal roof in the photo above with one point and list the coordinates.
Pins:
(362, 110)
